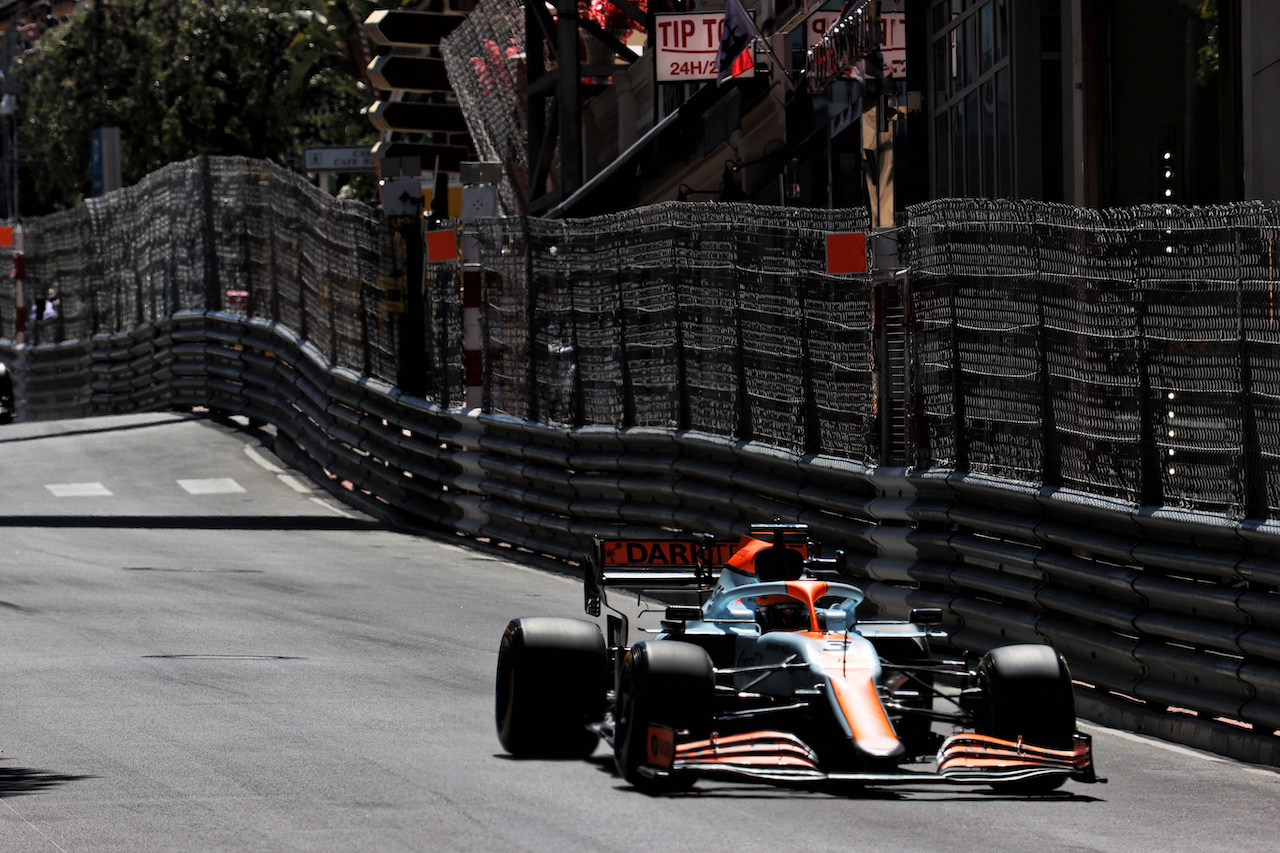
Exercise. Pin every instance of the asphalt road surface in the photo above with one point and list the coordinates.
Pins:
(199, 650)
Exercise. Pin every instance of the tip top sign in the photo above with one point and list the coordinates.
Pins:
(685, 46)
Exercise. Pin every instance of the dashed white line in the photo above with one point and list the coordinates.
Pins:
(286, 478)
(216, 486)
(253, 453)
(78, 490)
(299, 486)
(294, 483)
(333, 508)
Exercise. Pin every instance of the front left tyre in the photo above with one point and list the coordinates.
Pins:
(664, 685)
(552, 682)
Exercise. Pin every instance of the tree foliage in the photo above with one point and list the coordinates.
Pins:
(1208, 53)
(180, 78)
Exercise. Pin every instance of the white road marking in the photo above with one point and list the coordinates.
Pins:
(22, 818)
(333, 508)
(289, 480)
(253, 453)
(217, 486)
(78, 490)
(294, 483)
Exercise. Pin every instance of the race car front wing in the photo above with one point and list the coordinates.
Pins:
(775, 756)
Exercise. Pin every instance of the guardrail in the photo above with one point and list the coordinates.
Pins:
(1154, 609)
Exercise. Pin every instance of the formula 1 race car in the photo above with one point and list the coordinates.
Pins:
(771, 677)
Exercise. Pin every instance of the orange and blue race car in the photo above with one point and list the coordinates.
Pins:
(770, 676)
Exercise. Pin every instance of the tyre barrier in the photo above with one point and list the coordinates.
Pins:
(1166, 616)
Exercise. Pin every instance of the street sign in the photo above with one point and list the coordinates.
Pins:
(392, 72)
(442, 246)
(104, 160)
(358, 159)
(410, 117)
(405, 28)
(402, 196)
(846, 253)
(685, 46)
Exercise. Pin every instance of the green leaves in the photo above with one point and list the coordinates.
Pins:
(261, 79)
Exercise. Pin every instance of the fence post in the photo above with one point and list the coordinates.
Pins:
(745, 430)
(212, 275)
(532, 410)
(479, 201)
(1255, 483)
(1152, 480)
(809, 406)
(412, 375)
(1050, 446)
(961, 443)
(624, 359)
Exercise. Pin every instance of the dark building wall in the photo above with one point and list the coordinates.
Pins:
(1148, 53)
(1260, 60)
(1079, 100)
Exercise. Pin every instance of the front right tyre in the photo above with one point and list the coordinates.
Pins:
(1027, 694)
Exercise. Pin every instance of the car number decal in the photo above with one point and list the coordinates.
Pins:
(661, 747)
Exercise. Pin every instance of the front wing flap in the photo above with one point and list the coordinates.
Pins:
(983, 758)
(776, 756)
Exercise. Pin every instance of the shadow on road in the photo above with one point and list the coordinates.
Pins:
(15, 781)
(71, 431)
(192, 522)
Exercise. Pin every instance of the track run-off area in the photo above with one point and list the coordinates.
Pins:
(203, 650)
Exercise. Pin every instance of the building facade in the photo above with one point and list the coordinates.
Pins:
(1087, 102)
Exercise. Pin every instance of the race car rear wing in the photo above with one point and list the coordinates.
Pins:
(677, 563)
(689, 562)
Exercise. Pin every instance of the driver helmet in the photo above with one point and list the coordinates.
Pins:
(781, 613)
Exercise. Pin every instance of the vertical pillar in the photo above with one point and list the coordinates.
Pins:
(412, 378)
(479, 201)
(472, 334)
(19, 273)
(212, 274)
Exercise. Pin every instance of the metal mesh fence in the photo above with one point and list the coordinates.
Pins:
(1132, 354)
(217, 233)
(485, 60)
(712, 317)
(1129, 353)
(442, 308)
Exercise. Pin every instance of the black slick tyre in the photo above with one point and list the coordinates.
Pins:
(551, 683)
(667, 684)
(1027, 694)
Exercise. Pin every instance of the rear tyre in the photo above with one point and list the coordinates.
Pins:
(1027, 694)
(663, 683)
(551, 683)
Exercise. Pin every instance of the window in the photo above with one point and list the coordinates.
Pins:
(972, 141)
